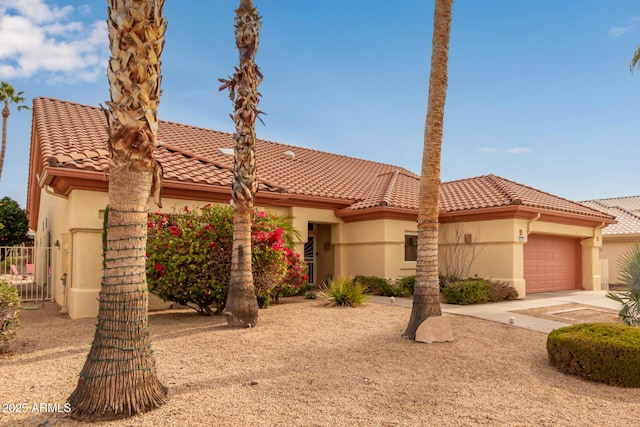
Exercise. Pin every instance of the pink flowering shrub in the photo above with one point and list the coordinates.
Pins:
(189, 257)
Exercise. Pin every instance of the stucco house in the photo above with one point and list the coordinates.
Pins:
(617, 238)
(354, 216)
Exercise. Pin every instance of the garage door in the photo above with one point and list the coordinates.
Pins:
(551, 263)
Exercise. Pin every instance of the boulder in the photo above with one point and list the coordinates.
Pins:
(434, 329)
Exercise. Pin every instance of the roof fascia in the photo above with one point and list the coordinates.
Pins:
(523, 212)
(378, 212)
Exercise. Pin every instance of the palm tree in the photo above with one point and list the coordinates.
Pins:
(242, 307)
(426, 300)
(8, 95)
(119, 377)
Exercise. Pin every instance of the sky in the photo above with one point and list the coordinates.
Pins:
(540, 92)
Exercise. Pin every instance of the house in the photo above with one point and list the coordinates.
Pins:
(617, 238)
(354, 216)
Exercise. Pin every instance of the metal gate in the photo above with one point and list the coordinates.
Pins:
(309, 258)
(29, 270)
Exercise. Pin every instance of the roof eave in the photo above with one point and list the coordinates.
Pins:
(630, 237)
(378, 212)
(524, 212)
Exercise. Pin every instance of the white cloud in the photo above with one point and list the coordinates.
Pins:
(36, 10)
(618, 31)
(36, 37)
(518, 150)
(487, 149)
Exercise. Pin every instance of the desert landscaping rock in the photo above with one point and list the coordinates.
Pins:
(434, 329)
(319, 366)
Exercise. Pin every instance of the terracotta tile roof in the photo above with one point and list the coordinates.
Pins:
(491, 191)
(628, 220)
(395, 189)
(631, 203)
(73, 136)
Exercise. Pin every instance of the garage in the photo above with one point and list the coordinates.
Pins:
(552, 263)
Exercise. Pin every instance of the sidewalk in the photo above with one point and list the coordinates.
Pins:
(501, 311)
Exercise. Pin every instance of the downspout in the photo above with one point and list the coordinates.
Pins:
(534, 219)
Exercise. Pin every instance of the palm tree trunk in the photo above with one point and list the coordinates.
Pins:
(119, 378)
(242, 307)
(426, 299)
(3, 150)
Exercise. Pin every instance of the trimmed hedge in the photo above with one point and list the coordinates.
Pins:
(470, 291)
(601, 352)
(475, 290)
(385, 287)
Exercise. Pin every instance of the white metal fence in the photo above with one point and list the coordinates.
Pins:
(29, 270)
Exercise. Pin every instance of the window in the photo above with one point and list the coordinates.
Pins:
(410, 247)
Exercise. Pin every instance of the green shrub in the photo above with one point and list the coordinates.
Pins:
(9, 313)
(470, 291)
(5, 266)
(381, 286)
(408, 283)
(602, 352)
(344, 292)
(501, 291)
(446, 280)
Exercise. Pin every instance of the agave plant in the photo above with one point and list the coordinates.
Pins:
(629, 268)
(344, 292)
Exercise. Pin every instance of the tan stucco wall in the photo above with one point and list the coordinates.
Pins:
(52, 227)
(612, 249)
(85, 215)
(495, 249)
(343, 249)
(373, 248)
(369, 248)
(499, 248)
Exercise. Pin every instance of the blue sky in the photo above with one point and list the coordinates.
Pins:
(540, 92)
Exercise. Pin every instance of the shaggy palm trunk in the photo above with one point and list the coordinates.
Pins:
(119, 377)
(5, 117)
(242, 307)
(426, 299)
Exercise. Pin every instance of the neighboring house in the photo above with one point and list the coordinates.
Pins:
(355, 217)
(618, 238)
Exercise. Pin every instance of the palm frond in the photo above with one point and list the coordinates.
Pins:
(629, 267)
(635, 61)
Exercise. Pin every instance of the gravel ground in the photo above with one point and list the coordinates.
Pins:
(307, 364)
